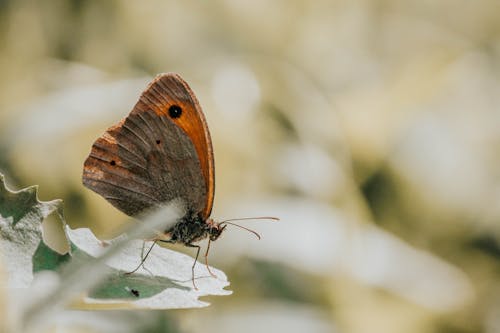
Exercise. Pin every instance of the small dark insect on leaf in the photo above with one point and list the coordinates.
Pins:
(135, 292)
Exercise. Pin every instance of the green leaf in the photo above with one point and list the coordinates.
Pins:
(46, 259)
(21, 216)
(98, 267)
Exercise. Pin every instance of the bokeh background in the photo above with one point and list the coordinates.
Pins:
(371, 128)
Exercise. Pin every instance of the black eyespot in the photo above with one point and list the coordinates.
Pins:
(175, 111)
(158, 142)
(112, 162)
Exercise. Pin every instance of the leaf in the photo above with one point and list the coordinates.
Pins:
(47, 259)
(163, 282)
(96, 268)
(21, 215)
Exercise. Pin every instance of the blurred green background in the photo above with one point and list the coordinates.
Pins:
(371, 128)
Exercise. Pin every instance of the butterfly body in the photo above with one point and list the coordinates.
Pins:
(192, 228)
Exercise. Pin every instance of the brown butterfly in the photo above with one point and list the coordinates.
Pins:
(160, 152)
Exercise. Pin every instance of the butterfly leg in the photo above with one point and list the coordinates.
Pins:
(206, 260)
(143, 258)
(194, 264)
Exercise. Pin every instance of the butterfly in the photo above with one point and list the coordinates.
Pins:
(160, 152)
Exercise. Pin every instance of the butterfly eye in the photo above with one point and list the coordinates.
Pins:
(112, 162)
(175, 111)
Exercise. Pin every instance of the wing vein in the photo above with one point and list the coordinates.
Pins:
(146, 122)
(160, 95)
(153, 99)
(123, 158)
(119, 175)
(145, 195)
(133, 153)
(134, 132)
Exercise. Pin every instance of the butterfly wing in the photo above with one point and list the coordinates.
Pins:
(152, 157)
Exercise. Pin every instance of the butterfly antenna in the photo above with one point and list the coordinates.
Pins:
(248, 218)
(242, 227)
(254, 218)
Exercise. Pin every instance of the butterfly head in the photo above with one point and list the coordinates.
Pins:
(215, 229)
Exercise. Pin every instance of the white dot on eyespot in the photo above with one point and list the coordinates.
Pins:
(235, 91)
